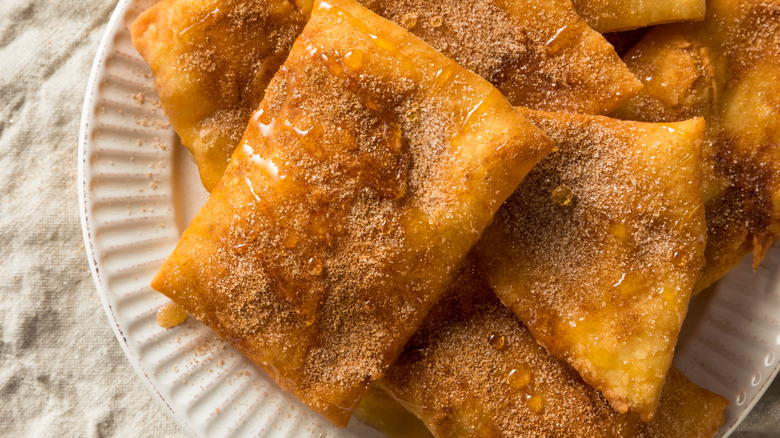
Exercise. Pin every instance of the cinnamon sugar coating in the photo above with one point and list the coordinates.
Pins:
(369, 170)
(213, 59)
(724, 69)
(451, 377)
(619, 15)
(599, 247)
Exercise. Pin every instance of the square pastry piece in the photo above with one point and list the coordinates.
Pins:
(727, 70)
(368, 172)
(599, 248)
(212, 60)
(474, 370)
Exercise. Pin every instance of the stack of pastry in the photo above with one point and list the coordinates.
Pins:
(474, 208)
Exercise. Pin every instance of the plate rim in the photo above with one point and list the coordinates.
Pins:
(85, 208)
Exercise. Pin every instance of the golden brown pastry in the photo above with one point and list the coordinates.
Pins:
(726, 70)
(473, 370)
(541, 55)
(212, 59)
(618, 15)
(369, 170)
(598, 249)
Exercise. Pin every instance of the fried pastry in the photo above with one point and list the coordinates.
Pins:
(618, 15)
(370, 169)
(724, 69)
(212, 59)
(598, 249)
(541, 55)
(473, 369)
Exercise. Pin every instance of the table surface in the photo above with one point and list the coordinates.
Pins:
(62, 372)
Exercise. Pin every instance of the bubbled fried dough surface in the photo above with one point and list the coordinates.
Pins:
(726, 70)
(619, 15)
(370, 169)
(541, 55)
(474, 370)
(212, 60)
(598, 249)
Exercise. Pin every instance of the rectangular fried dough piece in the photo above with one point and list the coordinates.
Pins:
(372, 166)
(725, 69)
(619, 15)
(599, 247)
(212, 59)
(541, 55)
(474, 370)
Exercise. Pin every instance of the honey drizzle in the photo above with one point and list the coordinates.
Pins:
(171, 315)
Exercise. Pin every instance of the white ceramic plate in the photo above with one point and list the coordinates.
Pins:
(138, 189)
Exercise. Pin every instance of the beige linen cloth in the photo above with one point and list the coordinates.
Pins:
(62, 372)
